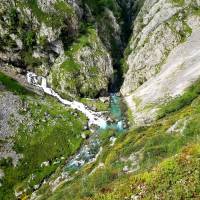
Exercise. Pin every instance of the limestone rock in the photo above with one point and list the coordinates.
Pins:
(84, 70)
(162, 60)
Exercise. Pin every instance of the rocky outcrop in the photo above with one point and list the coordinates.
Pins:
(162, 61)
(84, 70)
(36, 35)
(10, 120)
(37, 26)
(9, 110)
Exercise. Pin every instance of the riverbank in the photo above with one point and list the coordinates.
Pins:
(92, 148)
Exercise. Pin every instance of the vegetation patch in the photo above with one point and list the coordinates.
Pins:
(51, 131)
(12, 85)
(179, 102)
(159, 161)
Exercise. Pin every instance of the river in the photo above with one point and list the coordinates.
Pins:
(92, 147)
(90, 151)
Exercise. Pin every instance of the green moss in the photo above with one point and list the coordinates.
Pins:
(13, 85)
(29, 60)
(43, 41)
(54, 20)
(29, 38)
(14, 19)
(50, 131)
(178, 2)
(86, 39)
(196, 11)
(70, 66)
(63, 8)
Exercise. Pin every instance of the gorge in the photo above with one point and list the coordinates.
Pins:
(99, 99)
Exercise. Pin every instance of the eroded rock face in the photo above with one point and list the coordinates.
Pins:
(163, 56)
(147, 61)
(36, 35)
(26, 26)
(152, 39)
(10, 119)
(9, 114)
(84, 72)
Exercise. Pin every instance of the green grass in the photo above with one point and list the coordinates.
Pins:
(29, 60)
(12, 85)
(49, 132)
(50, 19)
(178, 2)
(47, 140)
(158, 153)
(63, 7)
(97, 104)
(98, 6)
(85, 39)
(179, 102)
(196, 11)
(175, 178)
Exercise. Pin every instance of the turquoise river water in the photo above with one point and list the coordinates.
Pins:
(90, 151)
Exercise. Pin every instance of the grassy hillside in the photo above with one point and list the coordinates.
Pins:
(158, 161)
(48, 132)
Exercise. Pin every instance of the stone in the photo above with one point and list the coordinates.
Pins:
(104, 99)
(83, 136)
(45, 164)
(125, 169)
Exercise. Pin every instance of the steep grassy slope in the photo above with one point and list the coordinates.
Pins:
(157, 161)
(48, 132)
(75, 45)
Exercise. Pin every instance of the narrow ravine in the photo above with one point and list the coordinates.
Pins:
(89, 152)
(92, 149)
(126, 14)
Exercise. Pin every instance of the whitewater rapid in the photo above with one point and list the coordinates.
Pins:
(95, 118)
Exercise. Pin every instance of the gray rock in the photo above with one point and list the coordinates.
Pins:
(163, 56)
(9, 112)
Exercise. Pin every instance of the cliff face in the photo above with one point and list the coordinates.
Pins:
(162, 55)
(62, 39)
(48, 151)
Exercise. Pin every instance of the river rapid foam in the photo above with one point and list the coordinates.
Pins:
(95, 118)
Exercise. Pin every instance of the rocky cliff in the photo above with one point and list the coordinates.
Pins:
(162, 55)
(62, 40)
(146, 49)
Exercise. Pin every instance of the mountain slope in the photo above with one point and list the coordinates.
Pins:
(37, 35)
(163, 59)
(157, 161)
(87, 49)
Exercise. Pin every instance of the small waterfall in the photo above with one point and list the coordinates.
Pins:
(95, 118)
(90, 151)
